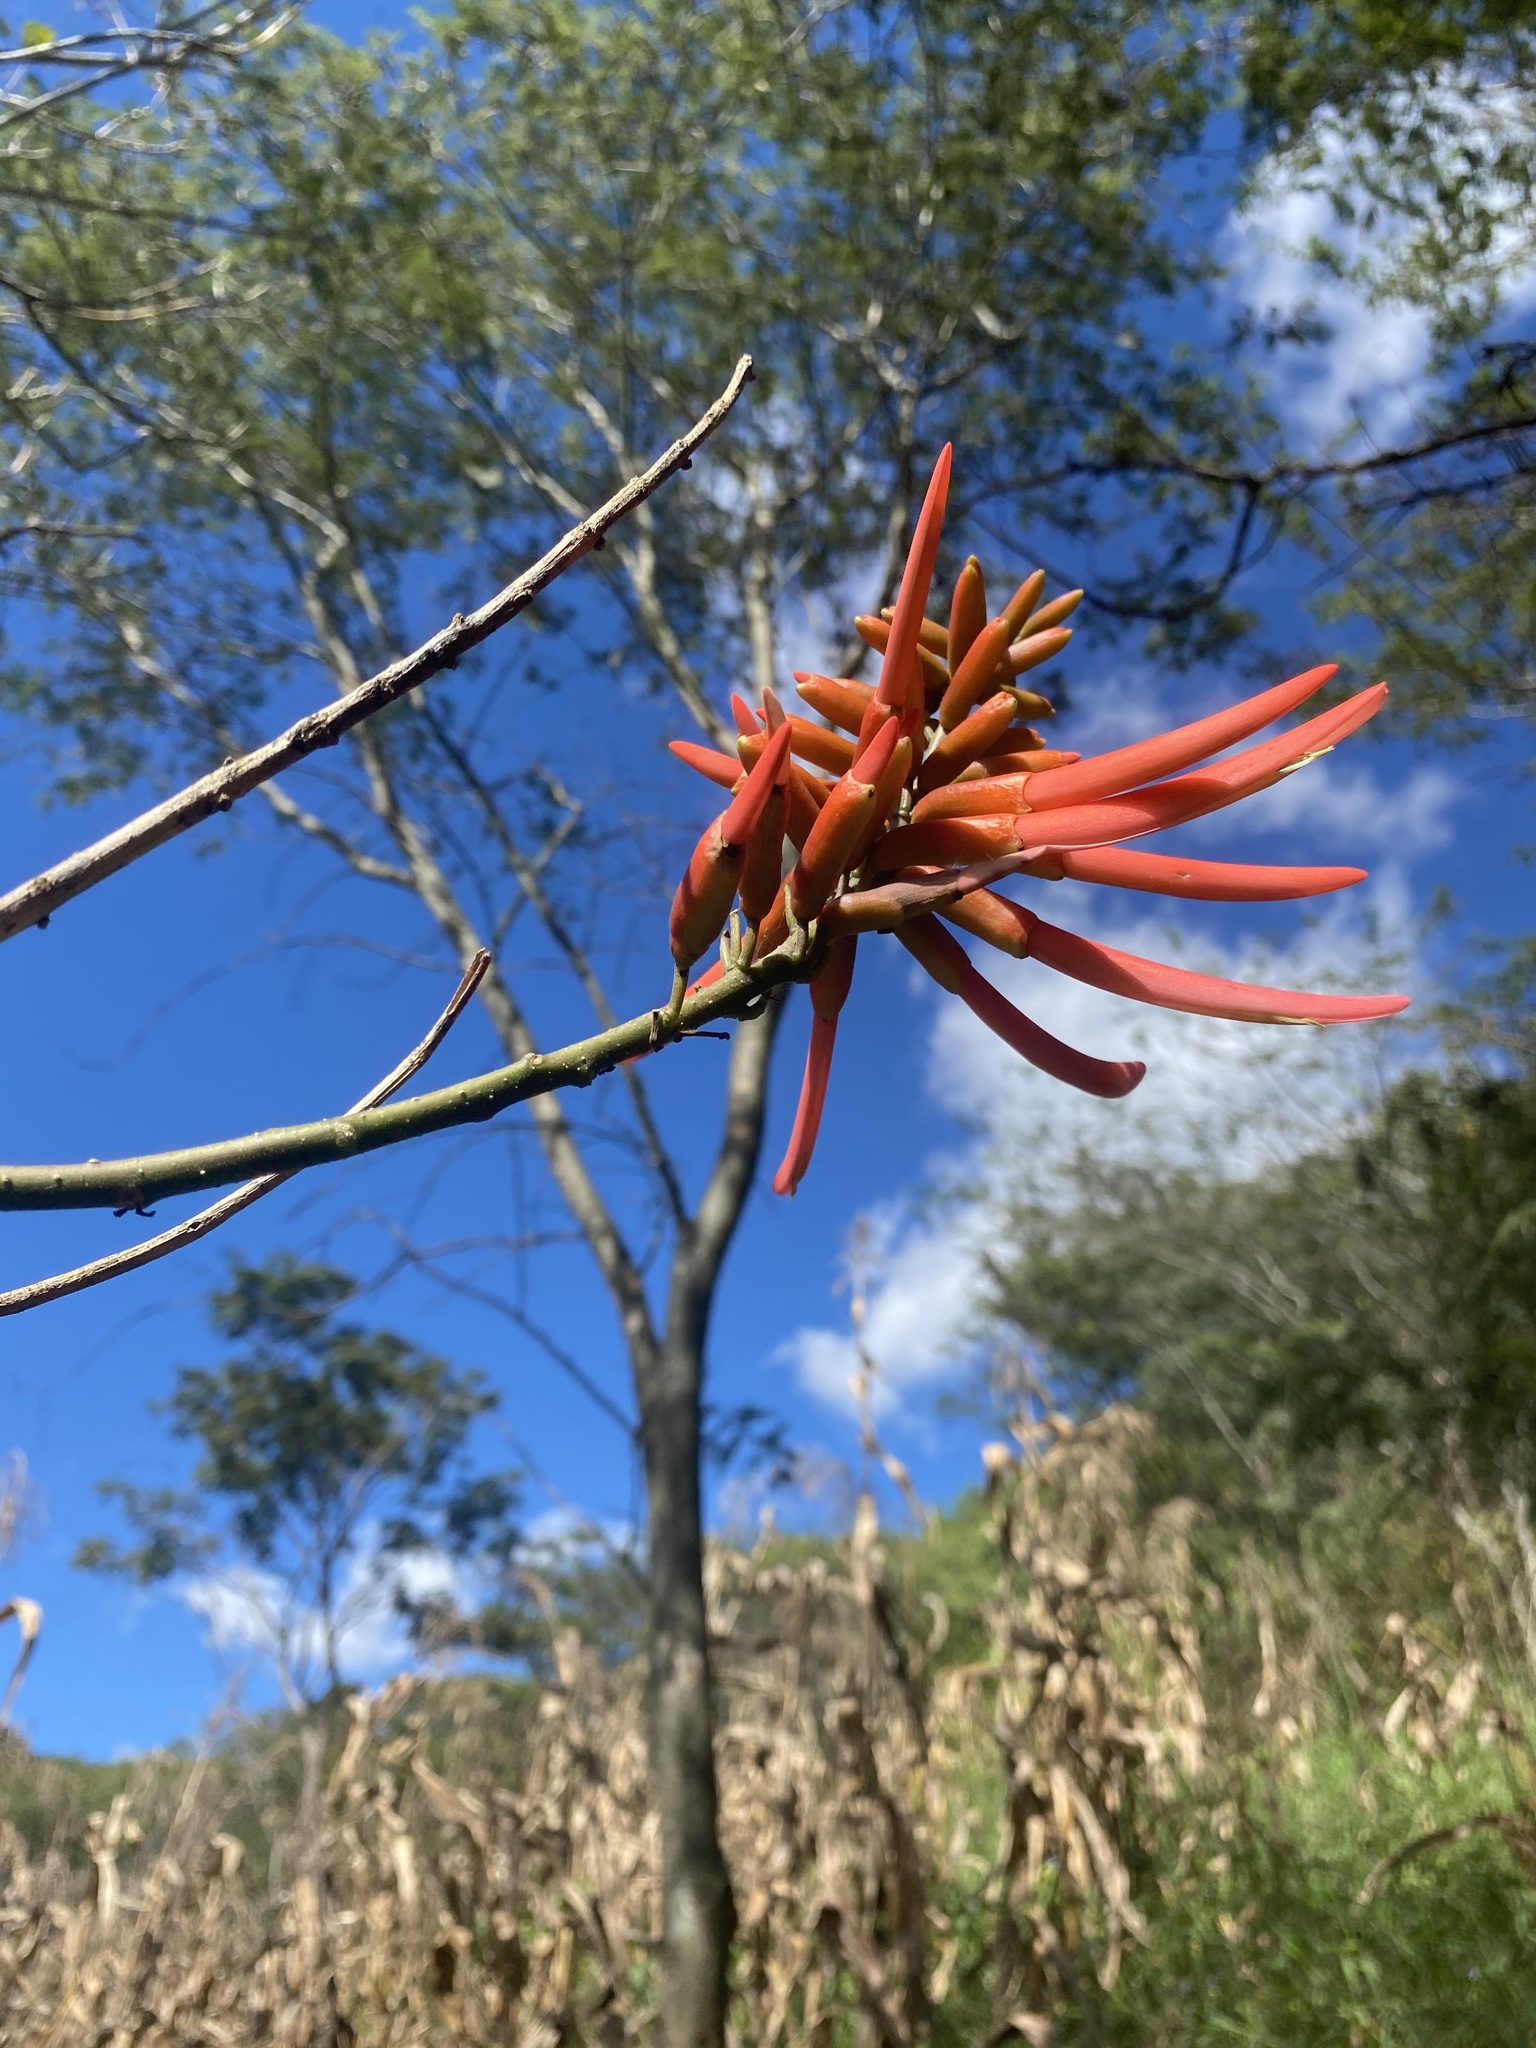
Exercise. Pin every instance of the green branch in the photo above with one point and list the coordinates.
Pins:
(131, 1183)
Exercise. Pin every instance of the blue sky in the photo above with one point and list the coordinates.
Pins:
(197, 996)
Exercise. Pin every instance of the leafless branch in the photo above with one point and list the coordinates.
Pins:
(34, 901)
(574, 954)
(196, 1227)
(102, 56)
(427, 1258)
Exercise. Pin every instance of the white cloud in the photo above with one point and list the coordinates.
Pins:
(1206, 1077)
(918, 1298)
(1373, 373)
(1346, 808)
(1341, 795)
(1372, 367)
(247, 1609)
(1249, 1095)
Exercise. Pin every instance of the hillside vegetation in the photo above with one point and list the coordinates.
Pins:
(1080, 1762)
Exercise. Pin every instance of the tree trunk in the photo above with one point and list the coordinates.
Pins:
(312, 1753)
(699, 1915)
(699, 1912)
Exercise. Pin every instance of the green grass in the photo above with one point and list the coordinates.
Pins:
(1258, 1938)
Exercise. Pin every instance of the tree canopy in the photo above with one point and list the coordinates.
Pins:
(330, 1457)
(1373, 1300)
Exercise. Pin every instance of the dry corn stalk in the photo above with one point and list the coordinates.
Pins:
(437, 1900)
(1098, 1700)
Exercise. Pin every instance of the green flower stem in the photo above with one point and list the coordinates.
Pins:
(132, 1183)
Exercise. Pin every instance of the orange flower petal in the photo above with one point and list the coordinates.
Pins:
(839, 698)
(942, 955)
(1202, 995)
(829, 991)
(900, 683)
(843, 820)
(724, 769)
(967, 612)
(1105, 774)
(971, 740)
(972, 680)
(1204, 881)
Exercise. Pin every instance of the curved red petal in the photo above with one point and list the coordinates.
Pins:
(829, 988)
(1203, 881)
(813, 1096)
(1162, 804)
(1107, 1078)
(835, 697)
(819, 745)
(900, 663)
(972, 678)
(951, 842)
(747, 720)
(941, 954)
(875, 757)
(967, 612)
(723, 769)
(1105, 774)
(739, 820)
(1201, 995)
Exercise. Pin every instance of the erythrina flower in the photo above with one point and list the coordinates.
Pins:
(923, 789)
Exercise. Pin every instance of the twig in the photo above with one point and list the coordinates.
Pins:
(1440, 1838)
(195, 1227)
(407, 1254)
(34, 902)
(28, 1617)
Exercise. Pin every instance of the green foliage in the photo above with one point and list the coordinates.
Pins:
(385, 310)
(1257, 1935)
(1367, 58)
(317, 1437)
(1375, 1299)
(1416, 123)
(47, 1798)
(1443, 579)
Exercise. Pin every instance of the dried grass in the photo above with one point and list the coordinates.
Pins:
(905, 1834)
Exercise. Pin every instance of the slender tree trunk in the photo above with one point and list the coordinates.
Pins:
(699, 1912)
(312, 1755)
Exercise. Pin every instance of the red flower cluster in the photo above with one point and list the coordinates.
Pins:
(924, 789)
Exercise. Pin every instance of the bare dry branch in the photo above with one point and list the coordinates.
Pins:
(28, 1617)
(34, 901)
